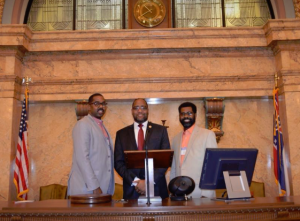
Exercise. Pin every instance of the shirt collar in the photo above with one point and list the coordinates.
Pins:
(98, 121)
(136, 125)
(190, 130)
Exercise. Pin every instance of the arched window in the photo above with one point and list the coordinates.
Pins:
(52, 15)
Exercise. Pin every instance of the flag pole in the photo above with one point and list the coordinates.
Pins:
(279, 153)
(21, 169)
(276, 78)
(26, 80)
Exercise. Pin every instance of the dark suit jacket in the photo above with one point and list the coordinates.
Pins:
(157, 139)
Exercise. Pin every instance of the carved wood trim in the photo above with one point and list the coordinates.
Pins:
(297, 8)
(214, 113)
(1, 9)
(82, 109)
(210, 214)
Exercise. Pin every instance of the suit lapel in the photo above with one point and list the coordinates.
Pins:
(93, 122)
(149, 131)
(131, 137)
(190, 144)
(101, 132)
(178, 142)
(109, 138)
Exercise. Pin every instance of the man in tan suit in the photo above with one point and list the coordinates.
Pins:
(189, 148)
(92, 168)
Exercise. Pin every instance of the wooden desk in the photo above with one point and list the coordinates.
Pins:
(280, 208)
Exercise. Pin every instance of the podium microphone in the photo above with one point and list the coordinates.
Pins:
(147, 168)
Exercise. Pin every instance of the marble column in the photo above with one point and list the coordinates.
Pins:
(10, 81)
(288, 69)
(297, 8)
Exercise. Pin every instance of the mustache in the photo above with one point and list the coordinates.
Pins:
(100, 109)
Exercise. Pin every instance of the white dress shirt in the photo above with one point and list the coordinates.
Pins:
(137, 128)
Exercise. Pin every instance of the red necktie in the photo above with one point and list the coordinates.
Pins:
(140, 138)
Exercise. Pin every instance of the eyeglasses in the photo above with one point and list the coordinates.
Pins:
(140, 107)
(182, 114)
(98, 104)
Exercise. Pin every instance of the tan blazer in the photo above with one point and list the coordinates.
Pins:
(193, 160)
(92, 165)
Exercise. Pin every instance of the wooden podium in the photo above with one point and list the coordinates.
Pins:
(156, 159)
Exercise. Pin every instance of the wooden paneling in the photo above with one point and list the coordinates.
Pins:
(276, 208)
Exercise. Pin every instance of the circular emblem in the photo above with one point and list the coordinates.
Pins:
(149, 13)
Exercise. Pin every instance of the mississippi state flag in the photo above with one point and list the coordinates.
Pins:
(280, 169)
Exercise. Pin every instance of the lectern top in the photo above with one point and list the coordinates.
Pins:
(135, 159)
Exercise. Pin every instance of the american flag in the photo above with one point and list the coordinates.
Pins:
(21, 170)
(280, 169)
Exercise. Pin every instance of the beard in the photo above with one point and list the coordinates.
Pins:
(139, 119)
(187, 122)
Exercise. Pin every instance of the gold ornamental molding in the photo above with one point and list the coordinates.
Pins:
(214, 113)
(80, 81)
(1, 9)
(297, 8)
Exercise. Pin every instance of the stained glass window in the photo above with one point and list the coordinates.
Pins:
(198, 13)
(51, 15)
(99, 14)
(219, 13)
(246, 12)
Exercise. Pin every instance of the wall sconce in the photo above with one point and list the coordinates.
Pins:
(214, 112)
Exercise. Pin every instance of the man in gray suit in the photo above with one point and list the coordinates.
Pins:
(189, 148)
(92, 167)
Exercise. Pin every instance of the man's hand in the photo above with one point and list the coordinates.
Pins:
(140, 187)
(97, 191)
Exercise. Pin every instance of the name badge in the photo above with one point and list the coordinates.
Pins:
(183, 150)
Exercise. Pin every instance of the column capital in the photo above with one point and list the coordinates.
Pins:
(1, 9)
(297, 8)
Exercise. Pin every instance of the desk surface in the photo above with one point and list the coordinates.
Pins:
(275, 206)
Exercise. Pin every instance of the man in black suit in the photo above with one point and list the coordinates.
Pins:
(129, 138)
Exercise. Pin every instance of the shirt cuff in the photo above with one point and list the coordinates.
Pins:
(135, 179)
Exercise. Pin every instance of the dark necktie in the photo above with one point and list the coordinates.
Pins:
(140, 138)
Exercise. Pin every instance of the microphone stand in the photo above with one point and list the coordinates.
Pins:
(147, 169)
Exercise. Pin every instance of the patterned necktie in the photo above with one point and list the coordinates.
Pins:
(140, 138)
(103, 129)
